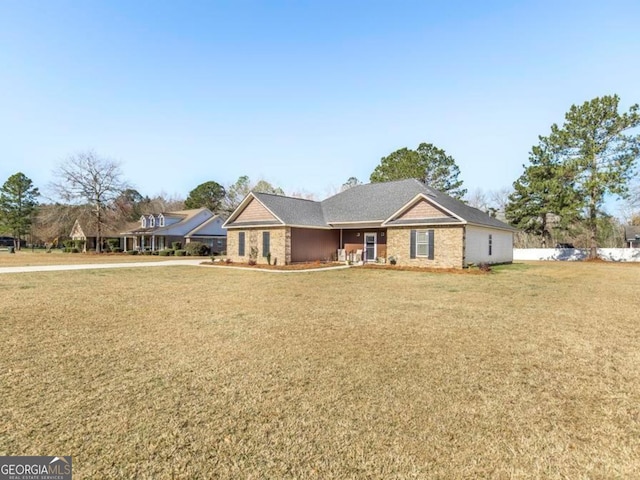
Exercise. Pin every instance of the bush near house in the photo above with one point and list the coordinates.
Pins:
(180, 253)
(167, 252)
(113, 244)
(197, 249)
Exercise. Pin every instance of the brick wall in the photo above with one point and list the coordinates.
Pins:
(280, 244)
(448, 248)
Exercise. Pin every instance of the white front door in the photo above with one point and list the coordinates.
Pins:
(370, 240)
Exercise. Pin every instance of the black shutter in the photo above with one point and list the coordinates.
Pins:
(241, 244)
(430, 235)
(412, 248)
(265, 243)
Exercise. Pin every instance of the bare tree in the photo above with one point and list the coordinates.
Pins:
(477, 198)
(498, 200)
(86, 178)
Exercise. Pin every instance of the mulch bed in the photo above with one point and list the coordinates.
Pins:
(295, 266)
(377, 266)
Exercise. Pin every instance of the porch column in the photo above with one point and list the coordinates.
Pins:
(153, 242)
(142, 242)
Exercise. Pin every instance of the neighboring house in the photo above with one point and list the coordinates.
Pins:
(10, 242)
(86, 232)
(159, 231)
(404, 220)
(632, 236)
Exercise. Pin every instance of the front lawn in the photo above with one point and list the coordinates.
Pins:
(531, 371)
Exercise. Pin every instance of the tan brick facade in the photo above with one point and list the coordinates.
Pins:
(279, 244)
(448, 247)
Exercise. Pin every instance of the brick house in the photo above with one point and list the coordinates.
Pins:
(405, 221)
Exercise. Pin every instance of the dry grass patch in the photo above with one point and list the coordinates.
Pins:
(532, 371)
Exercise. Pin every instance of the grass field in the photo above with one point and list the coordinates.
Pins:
(532, 371)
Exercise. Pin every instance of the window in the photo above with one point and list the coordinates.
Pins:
(152, 221)
(490, 244)
(421, 244)
(241, 244)
(266, 240)
(161, 220)
(143, 222)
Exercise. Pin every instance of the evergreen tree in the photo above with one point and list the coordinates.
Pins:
(427, 163)
(209, 194)
(594, 146)
(18, 205)
(543, 195)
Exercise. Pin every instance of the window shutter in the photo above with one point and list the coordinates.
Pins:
(241, 244)
(265, 243)
(430, 232)
(412, 248)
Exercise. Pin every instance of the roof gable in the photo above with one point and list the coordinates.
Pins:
(254, 211)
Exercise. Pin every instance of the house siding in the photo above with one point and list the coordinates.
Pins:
(254, 211)
(309, 244)
(448, 248)
(477, 239)
(423, 209)
(279, 244)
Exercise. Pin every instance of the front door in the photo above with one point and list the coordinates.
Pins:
(370, 246)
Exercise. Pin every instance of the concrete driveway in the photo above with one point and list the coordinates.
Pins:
(91, 266)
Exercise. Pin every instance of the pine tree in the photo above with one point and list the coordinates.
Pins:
(17, 205)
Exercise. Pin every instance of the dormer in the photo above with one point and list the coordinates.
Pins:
(161, 220)
(143, 221)
(152, 221)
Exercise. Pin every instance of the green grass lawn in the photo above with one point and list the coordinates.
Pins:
(532, 371)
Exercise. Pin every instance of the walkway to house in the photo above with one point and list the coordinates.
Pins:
(166, 263)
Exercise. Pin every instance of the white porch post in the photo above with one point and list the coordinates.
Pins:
(153, 242)
(142, 240)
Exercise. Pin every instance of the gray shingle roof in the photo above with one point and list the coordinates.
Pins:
(370, 202)
(631, 232)
(373, 202)
(293, 211)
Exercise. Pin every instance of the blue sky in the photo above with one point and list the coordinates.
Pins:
(302, 94)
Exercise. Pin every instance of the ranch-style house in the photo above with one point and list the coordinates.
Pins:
(404, 222)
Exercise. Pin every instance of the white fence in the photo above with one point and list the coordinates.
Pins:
(574, 254)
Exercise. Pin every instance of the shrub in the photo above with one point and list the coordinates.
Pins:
(74, 250)
(176, 245)
(167, 252)
(180, 253)
(197, 249)
(113, 244)
(132, 252)
(147, 252)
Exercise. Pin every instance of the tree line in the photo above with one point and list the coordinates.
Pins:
(569, 175)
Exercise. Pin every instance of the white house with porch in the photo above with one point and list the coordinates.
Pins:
(159, 231)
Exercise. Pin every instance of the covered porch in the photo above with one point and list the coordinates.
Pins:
(356, 244)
